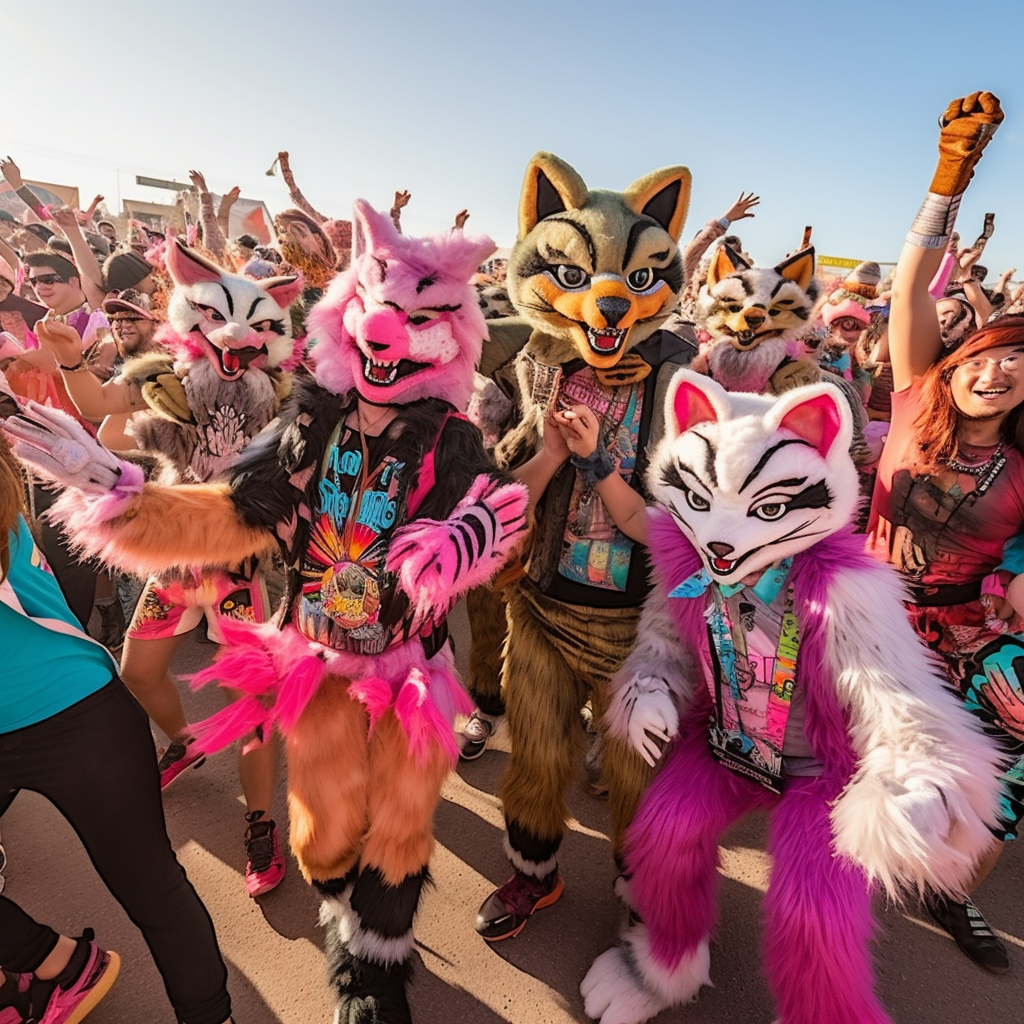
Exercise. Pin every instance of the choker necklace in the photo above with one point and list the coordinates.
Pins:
(981, 468)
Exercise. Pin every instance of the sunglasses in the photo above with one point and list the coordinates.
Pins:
(126, 320)
(47, 279)
(848, 323)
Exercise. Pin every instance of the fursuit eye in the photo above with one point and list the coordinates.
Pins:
(770, 510)
(417, 320)
(774, 312)
(569, 276)
(215, 315)
(735, 309)
(641, 279)
(696, 501)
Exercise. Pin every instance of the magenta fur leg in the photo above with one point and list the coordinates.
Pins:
(818, 924)
(671, 848)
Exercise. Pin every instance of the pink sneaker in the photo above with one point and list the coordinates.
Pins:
(264, 869)
(175, 759)
(71, 1004)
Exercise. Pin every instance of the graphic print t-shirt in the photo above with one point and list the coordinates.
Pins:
(759, 712)
(594, 552)
(345, 587)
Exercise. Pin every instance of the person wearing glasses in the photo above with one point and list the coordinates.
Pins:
(950, 493)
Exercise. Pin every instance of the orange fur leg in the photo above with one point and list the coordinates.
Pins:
(403, 795)
(328, 772)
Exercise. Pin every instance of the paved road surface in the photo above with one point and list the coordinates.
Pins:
(272, 948)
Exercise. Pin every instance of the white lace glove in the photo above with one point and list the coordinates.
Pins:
(651, 716)
(62, 450)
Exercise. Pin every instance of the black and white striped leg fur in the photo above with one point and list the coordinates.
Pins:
(369, 944)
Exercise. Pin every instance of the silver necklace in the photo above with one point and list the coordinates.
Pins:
(981, 468)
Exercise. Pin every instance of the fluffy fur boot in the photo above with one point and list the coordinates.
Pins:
(627, 985)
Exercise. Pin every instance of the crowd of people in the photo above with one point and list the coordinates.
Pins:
(173, 376)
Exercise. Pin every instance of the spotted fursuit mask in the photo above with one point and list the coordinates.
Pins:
(235, 322)
(597, 270)
(747, 306)
(402, 323)
(752, 479)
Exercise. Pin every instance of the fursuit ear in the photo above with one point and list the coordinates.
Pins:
(551, 186)
(663, 195)
(186, 266)
(370, 229)
(726, 262)
(817, 414)
(692, 399)
(466, 253)
(798, 268)
(283, 290)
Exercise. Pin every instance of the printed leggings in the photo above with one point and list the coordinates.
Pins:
(95, 763)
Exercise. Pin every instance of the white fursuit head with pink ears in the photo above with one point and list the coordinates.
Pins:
(875, 773)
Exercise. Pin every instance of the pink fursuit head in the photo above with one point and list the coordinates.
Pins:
(279, 670)
(402, 323)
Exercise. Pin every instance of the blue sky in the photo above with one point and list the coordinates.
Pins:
(827, 111)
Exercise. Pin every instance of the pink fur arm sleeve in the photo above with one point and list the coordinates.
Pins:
(437, 562)
(164, 527)
(938, 286)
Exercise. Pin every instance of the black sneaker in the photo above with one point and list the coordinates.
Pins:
(970, 931)
(475, 734)
(504, 913)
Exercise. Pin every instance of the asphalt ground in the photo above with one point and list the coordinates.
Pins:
(272, 946)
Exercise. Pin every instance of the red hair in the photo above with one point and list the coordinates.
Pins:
(936, 428)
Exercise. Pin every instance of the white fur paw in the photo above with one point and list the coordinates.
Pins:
(614, 994)
(653, 719)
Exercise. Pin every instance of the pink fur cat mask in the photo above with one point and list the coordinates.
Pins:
(402, 323)
(233, 321)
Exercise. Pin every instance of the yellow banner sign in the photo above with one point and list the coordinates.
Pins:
(838, 261)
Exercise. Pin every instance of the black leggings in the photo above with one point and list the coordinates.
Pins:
(95, 763)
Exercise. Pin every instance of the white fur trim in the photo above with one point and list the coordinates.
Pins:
(626, 986)
(657, 653)
(529, 867)
(917, 746)
(364, 943)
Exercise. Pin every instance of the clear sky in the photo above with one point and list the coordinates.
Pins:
(828, 111)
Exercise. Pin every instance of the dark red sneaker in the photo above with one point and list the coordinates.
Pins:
(505, 912)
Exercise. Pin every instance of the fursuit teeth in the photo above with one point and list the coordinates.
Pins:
(436, 562)
(278, 671)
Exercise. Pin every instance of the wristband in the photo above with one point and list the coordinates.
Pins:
(725, 222)
(595, 467)
(80, 365)
(934, 221)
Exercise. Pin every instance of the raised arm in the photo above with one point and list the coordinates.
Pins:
(914, 338)
(213, 237)
(224, 210)
(293, 190)
(12, 174)
(93, 399)
(89, 271)
(739, 210)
